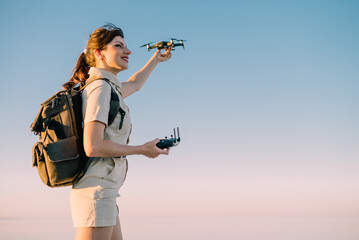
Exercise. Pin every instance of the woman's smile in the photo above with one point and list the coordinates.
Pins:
(125, 58)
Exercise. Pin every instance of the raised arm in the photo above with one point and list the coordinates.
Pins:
(138, 79)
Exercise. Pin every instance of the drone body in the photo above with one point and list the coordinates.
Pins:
(165, 44)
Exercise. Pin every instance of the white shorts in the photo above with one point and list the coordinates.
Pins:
(94, 207)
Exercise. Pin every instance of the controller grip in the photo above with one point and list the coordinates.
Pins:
(165, 143)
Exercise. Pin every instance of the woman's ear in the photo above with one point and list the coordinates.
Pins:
(97, 54)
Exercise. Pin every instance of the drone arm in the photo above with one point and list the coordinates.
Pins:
(178, 44)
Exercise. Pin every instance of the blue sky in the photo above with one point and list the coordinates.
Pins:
(265, 95)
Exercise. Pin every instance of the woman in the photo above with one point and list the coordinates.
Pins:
(93, 198)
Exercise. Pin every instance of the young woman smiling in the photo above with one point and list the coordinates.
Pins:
(93, 198)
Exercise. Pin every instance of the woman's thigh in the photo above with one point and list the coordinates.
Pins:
(117, 233)
(94, 233)
(100, 233)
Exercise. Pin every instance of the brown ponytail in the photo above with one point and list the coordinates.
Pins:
(98, 40)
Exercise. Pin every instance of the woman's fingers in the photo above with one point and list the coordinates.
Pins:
(168, 53)
(164, 56)
(164, 151)
(152, 151)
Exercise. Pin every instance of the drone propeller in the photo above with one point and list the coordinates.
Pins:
(147, 45)
(144, 45)
(180, 40)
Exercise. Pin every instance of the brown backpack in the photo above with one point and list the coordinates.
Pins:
(59, 155)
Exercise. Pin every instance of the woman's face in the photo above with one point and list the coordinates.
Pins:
(115, 56)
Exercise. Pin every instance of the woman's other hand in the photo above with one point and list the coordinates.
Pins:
(150, 149)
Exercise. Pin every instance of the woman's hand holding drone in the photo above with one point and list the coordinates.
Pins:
(162, 57)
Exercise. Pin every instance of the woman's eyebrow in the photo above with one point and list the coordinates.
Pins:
(120, 43)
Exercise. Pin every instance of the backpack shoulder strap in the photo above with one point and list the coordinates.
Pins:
(91, 80)
(114, 106)
(114, 102)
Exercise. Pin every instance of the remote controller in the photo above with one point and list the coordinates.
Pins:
(169, 142)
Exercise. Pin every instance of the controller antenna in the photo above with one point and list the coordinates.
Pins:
(174, 131)
(179, 139)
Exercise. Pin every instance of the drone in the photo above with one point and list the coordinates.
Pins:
(165, 44)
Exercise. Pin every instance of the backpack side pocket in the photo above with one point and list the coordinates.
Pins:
(38, 161)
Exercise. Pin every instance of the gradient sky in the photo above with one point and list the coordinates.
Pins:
(265, 95)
